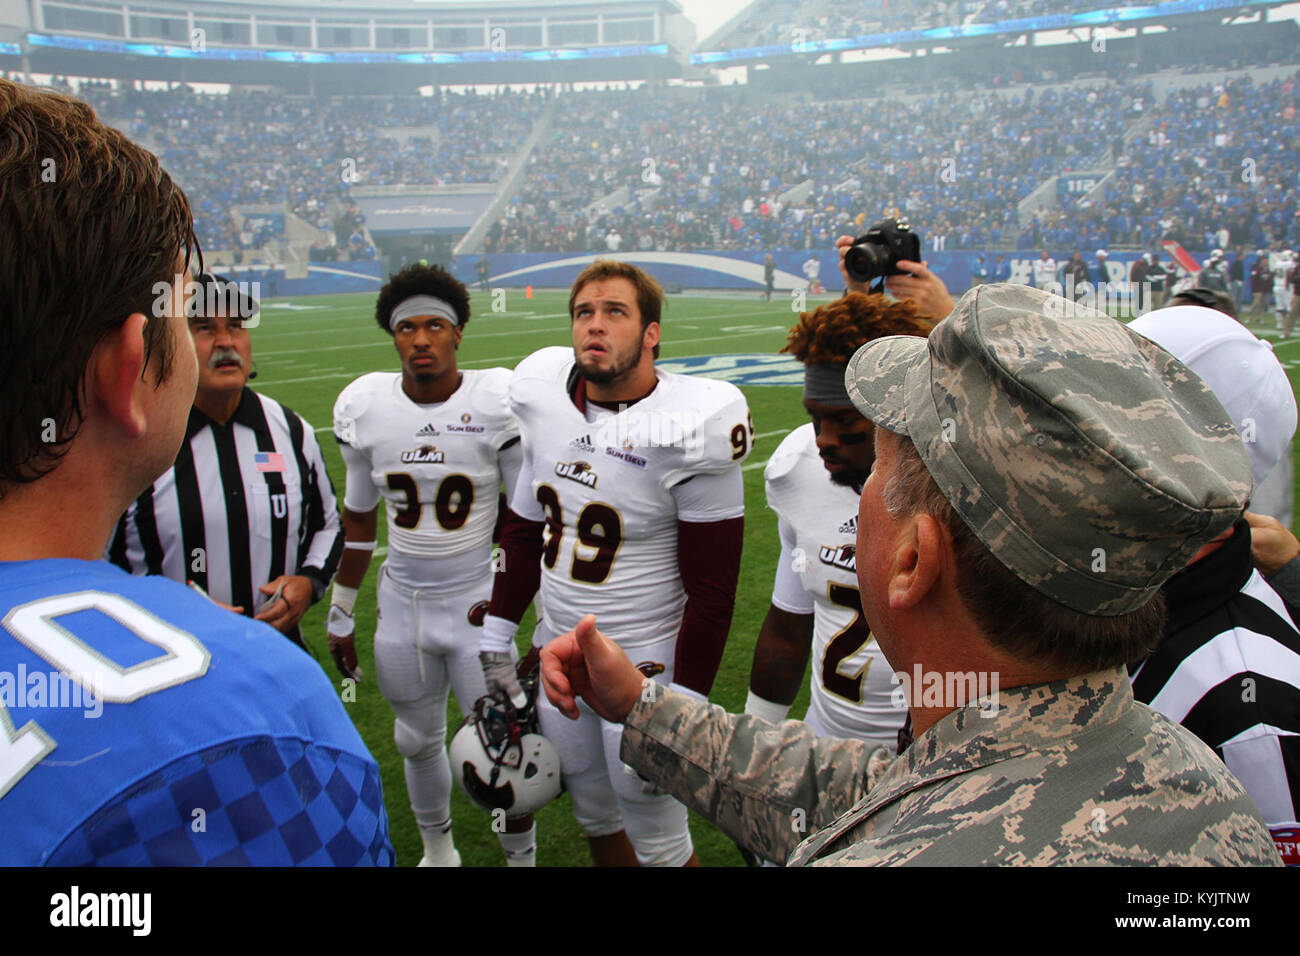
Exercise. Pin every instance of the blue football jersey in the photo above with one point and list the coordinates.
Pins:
(140, 724)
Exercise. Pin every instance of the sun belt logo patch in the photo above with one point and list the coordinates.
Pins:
(579, 471)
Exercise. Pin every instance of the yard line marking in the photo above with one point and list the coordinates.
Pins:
(499, 358)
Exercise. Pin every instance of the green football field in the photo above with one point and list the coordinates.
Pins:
(307, 350)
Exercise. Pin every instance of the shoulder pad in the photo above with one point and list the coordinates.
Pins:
(788, 454)
(534, 378)
(723, 435)
(548, 364)
(353, 402)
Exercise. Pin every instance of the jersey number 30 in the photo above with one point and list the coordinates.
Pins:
(33, 625)
(451, 505)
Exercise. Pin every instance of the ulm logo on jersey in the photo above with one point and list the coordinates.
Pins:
(844, 556)
(583, 444)
(424, 455)
(579, 471)
(428, 431)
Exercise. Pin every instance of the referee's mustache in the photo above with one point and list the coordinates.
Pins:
(222, 354)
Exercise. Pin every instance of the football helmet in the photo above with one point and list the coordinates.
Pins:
(499, 757)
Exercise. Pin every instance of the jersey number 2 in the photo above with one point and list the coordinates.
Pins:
(844, 645)
(33, 625)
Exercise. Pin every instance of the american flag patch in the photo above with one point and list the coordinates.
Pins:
(269, 461)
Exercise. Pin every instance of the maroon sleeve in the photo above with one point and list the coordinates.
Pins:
(514, 586)
(708, 558)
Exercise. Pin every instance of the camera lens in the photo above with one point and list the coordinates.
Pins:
(867, 261)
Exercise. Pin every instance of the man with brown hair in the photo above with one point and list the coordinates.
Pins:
(630, 500)
(1019, 521)
(212, 740)
(813, 481)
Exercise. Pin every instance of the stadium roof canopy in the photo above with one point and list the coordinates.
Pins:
(487, 41)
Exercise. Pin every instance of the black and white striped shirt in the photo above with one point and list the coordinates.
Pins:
(1228, 669)
(244, 503)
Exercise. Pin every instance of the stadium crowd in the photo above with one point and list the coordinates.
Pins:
(714, 170)
(256, 148)
(707, 174)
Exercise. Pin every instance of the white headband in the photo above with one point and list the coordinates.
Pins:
(422, 305)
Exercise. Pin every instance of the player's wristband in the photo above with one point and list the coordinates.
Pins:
(343, 596)
(359, 545)
(498, 635)
(765, 709)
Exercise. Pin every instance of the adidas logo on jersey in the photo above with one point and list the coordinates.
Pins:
(428, 431)
(843, 557)
(850, 526)
(583, 444)
(579, 471)
(424, 455)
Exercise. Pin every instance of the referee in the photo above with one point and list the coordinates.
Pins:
(247, 512)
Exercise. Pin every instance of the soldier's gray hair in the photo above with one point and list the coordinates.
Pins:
(1012, 615)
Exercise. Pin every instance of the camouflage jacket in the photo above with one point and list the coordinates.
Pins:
(1071, 772)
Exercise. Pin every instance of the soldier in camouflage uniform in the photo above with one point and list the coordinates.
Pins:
(1040, 472)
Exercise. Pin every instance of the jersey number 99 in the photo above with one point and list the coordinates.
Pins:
(599, 527)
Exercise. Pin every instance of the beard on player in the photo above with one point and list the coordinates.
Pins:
(620, 365)
(853, 471)
(848, 476)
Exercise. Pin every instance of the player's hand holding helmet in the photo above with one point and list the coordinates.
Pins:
(499, 673)
(499, 757)
(339, 628)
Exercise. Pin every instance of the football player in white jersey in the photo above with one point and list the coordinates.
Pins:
(629, 505)
(435, 443)
(813, 482)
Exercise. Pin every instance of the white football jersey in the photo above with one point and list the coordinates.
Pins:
(436, 466)
(852, 683)
(604, 484)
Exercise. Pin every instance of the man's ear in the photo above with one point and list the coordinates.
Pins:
(117, 370)
(921, 552)
(650, 338)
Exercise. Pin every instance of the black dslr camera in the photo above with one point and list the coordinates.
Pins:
(877, 253)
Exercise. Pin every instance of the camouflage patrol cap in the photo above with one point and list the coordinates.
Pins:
(1088, 460)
